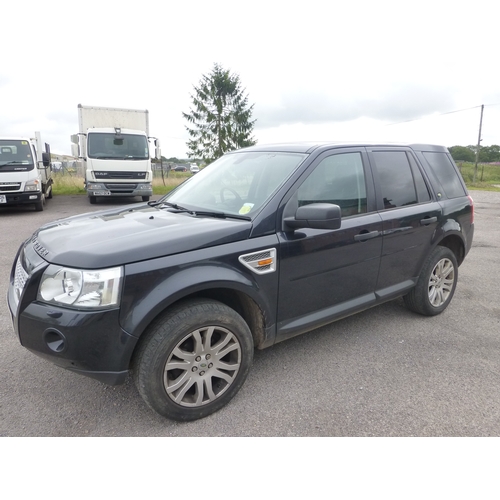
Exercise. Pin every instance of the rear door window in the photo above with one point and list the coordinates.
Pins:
(396, 181)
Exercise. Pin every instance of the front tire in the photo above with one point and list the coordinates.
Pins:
(436, 284)
(93, 200)
(145, 198)
(39, 205)
(193, 360)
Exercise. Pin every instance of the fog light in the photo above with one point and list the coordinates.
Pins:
(55, 340)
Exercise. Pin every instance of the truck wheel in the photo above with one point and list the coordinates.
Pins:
(193, 360)
(39, 204)
(436, 283)
(93, 200)
(145, 198)
(49, 196)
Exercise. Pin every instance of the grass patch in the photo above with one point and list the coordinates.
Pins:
(68, 183)
(163, 185)
(487, 177)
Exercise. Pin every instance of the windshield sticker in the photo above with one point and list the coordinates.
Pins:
(246, 208)
(24, 143)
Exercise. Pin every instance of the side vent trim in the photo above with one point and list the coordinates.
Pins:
(261, 262)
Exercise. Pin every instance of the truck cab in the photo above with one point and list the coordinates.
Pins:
(25, 172)
(118, 164)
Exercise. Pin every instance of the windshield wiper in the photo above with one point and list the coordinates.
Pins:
(221, 215)
(202, 213)
(161, 204)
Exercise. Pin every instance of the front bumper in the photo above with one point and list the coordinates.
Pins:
(114, 189)
(91, 343)
(21, 198)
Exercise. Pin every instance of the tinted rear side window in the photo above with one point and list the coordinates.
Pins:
(396, 178)
(446, 173)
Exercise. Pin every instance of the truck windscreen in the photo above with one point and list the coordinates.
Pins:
(114, 146)
(15, 155)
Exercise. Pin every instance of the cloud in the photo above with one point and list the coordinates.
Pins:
(311, 73)
(393, 104)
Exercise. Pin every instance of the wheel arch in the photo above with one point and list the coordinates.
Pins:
(226, 286)
(456, 244)
(237, 300)
(240, 302)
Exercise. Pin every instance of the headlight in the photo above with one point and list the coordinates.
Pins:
(32, 185)
(93, 185)
(81, 288)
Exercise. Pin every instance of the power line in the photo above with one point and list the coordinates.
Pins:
(441, 114)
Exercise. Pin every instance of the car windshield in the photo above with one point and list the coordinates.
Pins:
(15, 155)
(117, 146)
(238, 183)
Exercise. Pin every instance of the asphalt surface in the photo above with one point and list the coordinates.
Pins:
(384, 372)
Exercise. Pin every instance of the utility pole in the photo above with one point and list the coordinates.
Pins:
(478, 144)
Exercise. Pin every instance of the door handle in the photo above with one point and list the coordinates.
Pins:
(366, 236)
(428, 220)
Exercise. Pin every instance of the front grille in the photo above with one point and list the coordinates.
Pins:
(4, 186)
(119, 175)
(123, 188)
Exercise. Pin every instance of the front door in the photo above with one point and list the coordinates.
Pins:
(326, 274)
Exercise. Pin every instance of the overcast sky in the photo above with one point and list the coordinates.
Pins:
(315, 70)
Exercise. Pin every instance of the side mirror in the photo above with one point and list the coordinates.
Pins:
(46, 159)
(316, 216)
(157, 149)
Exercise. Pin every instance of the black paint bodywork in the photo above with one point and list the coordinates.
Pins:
(322, 274)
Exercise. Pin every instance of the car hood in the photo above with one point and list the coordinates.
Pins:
(131, 234)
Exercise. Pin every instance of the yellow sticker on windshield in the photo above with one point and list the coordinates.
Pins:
(24, 143)
(246, 208)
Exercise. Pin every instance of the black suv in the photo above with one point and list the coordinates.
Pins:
(266, 243)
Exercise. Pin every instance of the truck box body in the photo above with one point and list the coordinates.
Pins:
(25, 173)
(113, 146)
(99, 117)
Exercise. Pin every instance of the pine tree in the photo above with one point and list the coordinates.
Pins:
(220, 118)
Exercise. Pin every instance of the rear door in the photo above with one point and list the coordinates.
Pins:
(410, 216)
(325, 274)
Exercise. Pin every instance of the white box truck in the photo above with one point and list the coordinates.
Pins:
(113, 147)
(25, 171)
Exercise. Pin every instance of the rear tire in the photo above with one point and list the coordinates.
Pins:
(193, 360)
(436, 283)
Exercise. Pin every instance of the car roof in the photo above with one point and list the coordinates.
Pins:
(309, 147)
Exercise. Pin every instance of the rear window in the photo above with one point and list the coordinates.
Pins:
(446, 173)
